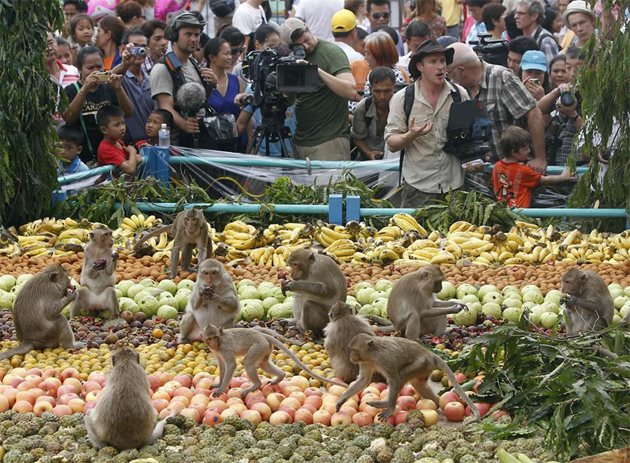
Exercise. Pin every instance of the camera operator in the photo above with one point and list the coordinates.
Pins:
(322, 116)
(421, 128)
(507, 100)
(184, 32)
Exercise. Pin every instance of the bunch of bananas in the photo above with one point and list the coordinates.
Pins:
(137, 223)
(242, 236)
(408, 223)
(326, 235)
(506, 457)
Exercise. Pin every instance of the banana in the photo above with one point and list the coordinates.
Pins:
(69, 222)
(242, 245)
(128, 224)
(334, 234)
(78, 233)
(237, 226)
(434, 236)
(570, 238)
(443, 257)
(482, 261)
(513, 261)
(521, 224)
(387, 256)
(408, 223)
(361, 257)
(460, 226)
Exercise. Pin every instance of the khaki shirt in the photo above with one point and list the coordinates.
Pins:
(426, 166)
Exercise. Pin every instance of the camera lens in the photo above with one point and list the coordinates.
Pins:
(567, 99)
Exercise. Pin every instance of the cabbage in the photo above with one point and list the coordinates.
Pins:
(252, 309)
(283, 310)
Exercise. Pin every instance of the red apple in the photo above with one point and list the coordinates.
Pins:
(400, 417)
(263, 409)
(483, 408)
(314, 401)
(218, 405)
(183, 392)
(304, 415)
(70, 373)
(252, 416)
(46, 398)
(291, 402)
(499, 414)
(238, 381)
(50, 385)
(407, 390)
(230, 412)
(22, 406)
(159, 404)
(205, 383)
(212, 417)
(426, 404)
(288, 410)
(322, 417)
(66, 398)
(34, 372)
(10, 394)
(177, 406)
(362, 419)
(77, 405)
(89, 406)
(67, 389)
(90, 386)
(280, 417)
(339, 418)
(154, 382)
(337, 390)
(454, 411)
(274, 399)
(42, 406)
(62, 410)
(406, 402)
(310, 391)
(184, 380)
(50, 372)
(447, 397)
(199, 376)
(192, 413)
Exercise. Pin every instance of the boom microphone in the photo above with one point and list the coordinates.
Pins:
(191, 97)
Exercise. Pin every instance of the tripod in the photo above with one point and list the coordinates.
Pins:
(272, 131)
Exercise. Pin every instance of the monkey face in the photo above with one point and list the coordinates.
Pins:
(300, 262)
(58, 275)
(103, 237)
(213, 342)
(572, 281)
(191, 225)
(209, 272)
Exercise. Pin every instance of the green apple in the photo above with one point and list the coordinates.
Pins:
(512, 314)
(492, 297)
(553, 296)
(148, 282)
(448, 291)
(491, 309)
(124, 286)
(465, 289)
(186, 283)
(512, 302)
(168, 285)
(485, 289)
(168, 312)
(548, 319)
(133, 290)
(364, 295)
(7, 282)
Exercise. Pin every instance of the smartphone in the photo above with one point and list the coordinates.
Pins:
(102, 76)
(534, 81)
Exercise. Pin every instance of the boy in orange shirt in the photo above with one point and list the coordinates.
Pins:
(112, 150)
(512, 179)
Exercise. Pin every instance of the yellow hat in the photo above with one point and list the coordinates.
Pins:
(343, 21)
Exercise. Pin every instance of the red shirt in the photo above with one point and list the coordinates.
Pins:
(512, 183)
(111, 154)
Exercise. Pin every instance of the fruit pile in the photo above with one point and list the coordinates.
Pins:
(403, 240)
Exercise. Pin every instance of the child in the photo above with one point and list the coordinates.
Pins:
(72, 144)
(512, 179)
(153, 126)
(81, 30)
(64, 52)
(112, 150)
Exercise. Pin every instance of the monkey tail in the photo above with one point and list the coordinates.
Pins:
(460, 392)
(277, 336)
(294, 357)
(22, 349)
(156, 232)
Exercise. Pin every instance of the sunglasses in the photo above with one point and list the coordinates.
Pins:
(236, 50)
(378, 16)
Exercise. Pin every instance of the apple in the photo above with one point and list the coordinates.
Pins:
(322, 417)
(491, 309)
(406, 403)
(553, 296)
(465, 289)
(41, 407)
(280, 417)
(548, 319)
(454, 411)
(487, 289)
(620, 301)
(512, 302)
(448, 291)
(426, 404)
(448, 397)
(340, 419)
(430, 417)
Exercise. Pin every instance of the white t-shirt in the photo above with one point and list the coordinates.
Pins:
(247, 18)
(317, 15)
(350, 52)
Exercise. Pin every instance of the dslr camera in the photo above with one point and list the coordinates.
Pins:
(491, 51)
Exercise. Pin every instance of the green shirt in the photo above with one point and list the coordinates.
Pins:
(323, 115)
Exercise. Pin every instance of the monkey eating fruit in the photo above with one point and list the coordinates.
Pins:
(37, 313)
(589, 305)
(256, 347)
(124, 416)
(400, 361)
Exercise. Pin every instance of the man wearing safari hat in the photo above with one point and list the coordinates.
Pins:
(322, 130)
(344, 30)
(429, 171)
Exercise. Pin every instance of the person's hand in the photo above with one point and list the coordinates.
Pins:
(209, 76)
(115, 80)
(192, 125)
(90, 83)
(535, 89)
(539, 165)
(473, 167)
(126, 55)
(601, 158)
(138, 158)
(373, 154)
(419, 130)
(131, 150)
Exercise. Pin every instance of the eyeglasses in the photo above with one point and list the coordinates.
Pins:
(378, 16)
(236, 50)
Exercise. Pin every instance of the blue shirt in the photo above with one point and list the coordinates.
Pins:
(140, 96)
(74, 167)
(224, 104)
(289, 121)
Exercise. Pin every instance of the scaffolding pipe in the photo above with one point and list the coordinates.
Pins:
(319, 209)
(532, 212)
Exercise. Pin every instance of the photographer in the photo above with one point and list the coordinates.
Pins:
(506, 98)
(184, 32)
(421, 129)
(322, 116)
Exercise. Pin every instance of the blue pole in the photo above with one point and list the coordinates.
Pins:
(319, 209)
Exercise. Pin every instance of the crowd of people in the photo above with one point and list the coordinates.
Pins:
(504, 73)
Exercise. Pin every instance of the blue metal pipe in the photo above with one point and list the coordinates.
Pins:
(531, 212)
(238, 208)
(71, 178)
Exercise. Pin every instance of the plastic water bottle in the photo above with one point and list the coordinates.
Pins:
(164, 136)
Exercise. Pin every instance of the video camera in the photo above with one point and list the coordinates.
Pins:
(491, 51)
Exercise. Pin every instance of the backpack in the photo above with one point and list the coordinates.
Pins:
(174, 66)
(222, 8)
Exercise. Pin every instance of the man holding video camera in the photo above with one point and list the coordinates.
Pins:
(322, 131)
(507, 100)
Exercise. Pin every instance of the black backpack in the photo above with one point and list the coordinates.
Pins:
(222, 8)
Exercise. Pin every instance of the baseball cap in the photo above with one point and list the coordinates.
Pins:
(291, 30)
(577, 6)
(343, 21)
(534, 59)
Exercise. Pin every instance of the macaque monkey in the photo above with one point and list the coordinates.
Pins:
(318, 283)
(189, 231)
(344, 325)
(213, 301)
(124, 416)
(37, 313)
(413, 309)
(588, 303)
(97, 277)
(400, 361)
(256, 346)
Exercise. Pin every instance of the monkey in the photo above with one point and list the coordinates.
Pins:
(37, 313)
(413, 309)
(213, 300)
(589, 305)
(97, 276)
(189, 231)
(318, 283)
(124, 416)
(343, 326)
(256, 346)
(400, 361)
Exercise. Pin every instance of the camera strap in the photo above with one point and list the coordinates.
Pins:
(174, 67)
(410, 94)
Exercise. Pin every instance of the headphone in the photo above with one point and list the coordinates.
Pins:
(186, 18)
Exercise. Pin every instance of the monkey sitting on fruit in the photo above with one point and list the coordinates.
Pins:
(589, 305)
